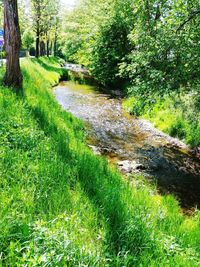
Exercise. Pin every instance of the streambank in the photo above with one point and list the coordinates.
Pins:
(133, 144)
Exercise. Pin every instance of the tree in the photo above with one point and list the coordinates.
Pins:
(45, 24)
(27, 40)
(165, 52)
(37, 7)
(13, 76)
(112, 44)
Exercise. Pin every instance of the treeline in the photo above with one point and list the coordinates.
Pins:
(45, 23)
(39, 26)
(150, 45)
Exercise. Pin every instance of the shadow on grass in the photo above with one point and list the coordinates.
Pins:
(49, 67)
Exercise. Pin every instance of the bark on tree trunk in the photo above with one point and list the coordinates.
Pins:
(37, 48)
(55, 39)
(42, 49)
(27, 52)
(13, 76)
(48, 52)
(47, 43)
(55, 45)
(51, 48)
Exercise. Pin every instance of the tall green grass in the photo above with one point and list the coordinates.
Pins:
(63, 206)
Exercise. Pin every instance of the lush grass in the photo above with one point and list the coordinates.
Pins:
(63, 206)
(175, 114)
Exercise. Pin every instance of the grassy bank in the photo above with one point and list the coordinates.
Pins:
(63, 206)
(177, 114)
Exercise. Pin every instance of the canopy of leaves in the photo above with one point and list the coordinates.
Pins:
(153, 45)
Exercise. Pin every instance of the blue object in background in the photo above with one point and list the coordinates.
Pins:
(1, 32)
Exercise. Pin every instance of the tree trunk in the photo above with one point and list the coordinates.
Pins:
(37, 47)
(13, 76)
(27, 52)
(51, 48)
(55, 39)
(55, 45)
(48, 52)
(47, 43)
(42, 49)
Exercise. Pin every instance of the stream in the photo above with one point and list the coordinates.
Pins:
(133, 144)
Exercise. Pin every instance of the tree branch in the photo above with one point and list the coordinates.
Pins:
(191, 16)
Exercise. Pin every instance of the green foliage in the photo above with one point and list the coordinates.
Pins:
(24, 18)
(63, 206)
(27, 39)
(78, 39)
(112, 44)
(153, 45)
(177, 115)
(164, 55)
(45, 22)
(103, 42)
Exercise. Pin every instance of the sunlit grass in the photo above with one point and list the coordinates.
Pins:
(177, 115)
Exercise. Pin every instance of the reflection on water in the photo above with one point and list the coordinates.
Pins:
(134, 144)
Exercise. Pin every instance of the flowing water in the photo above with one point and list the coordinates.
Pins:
(133, 144)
